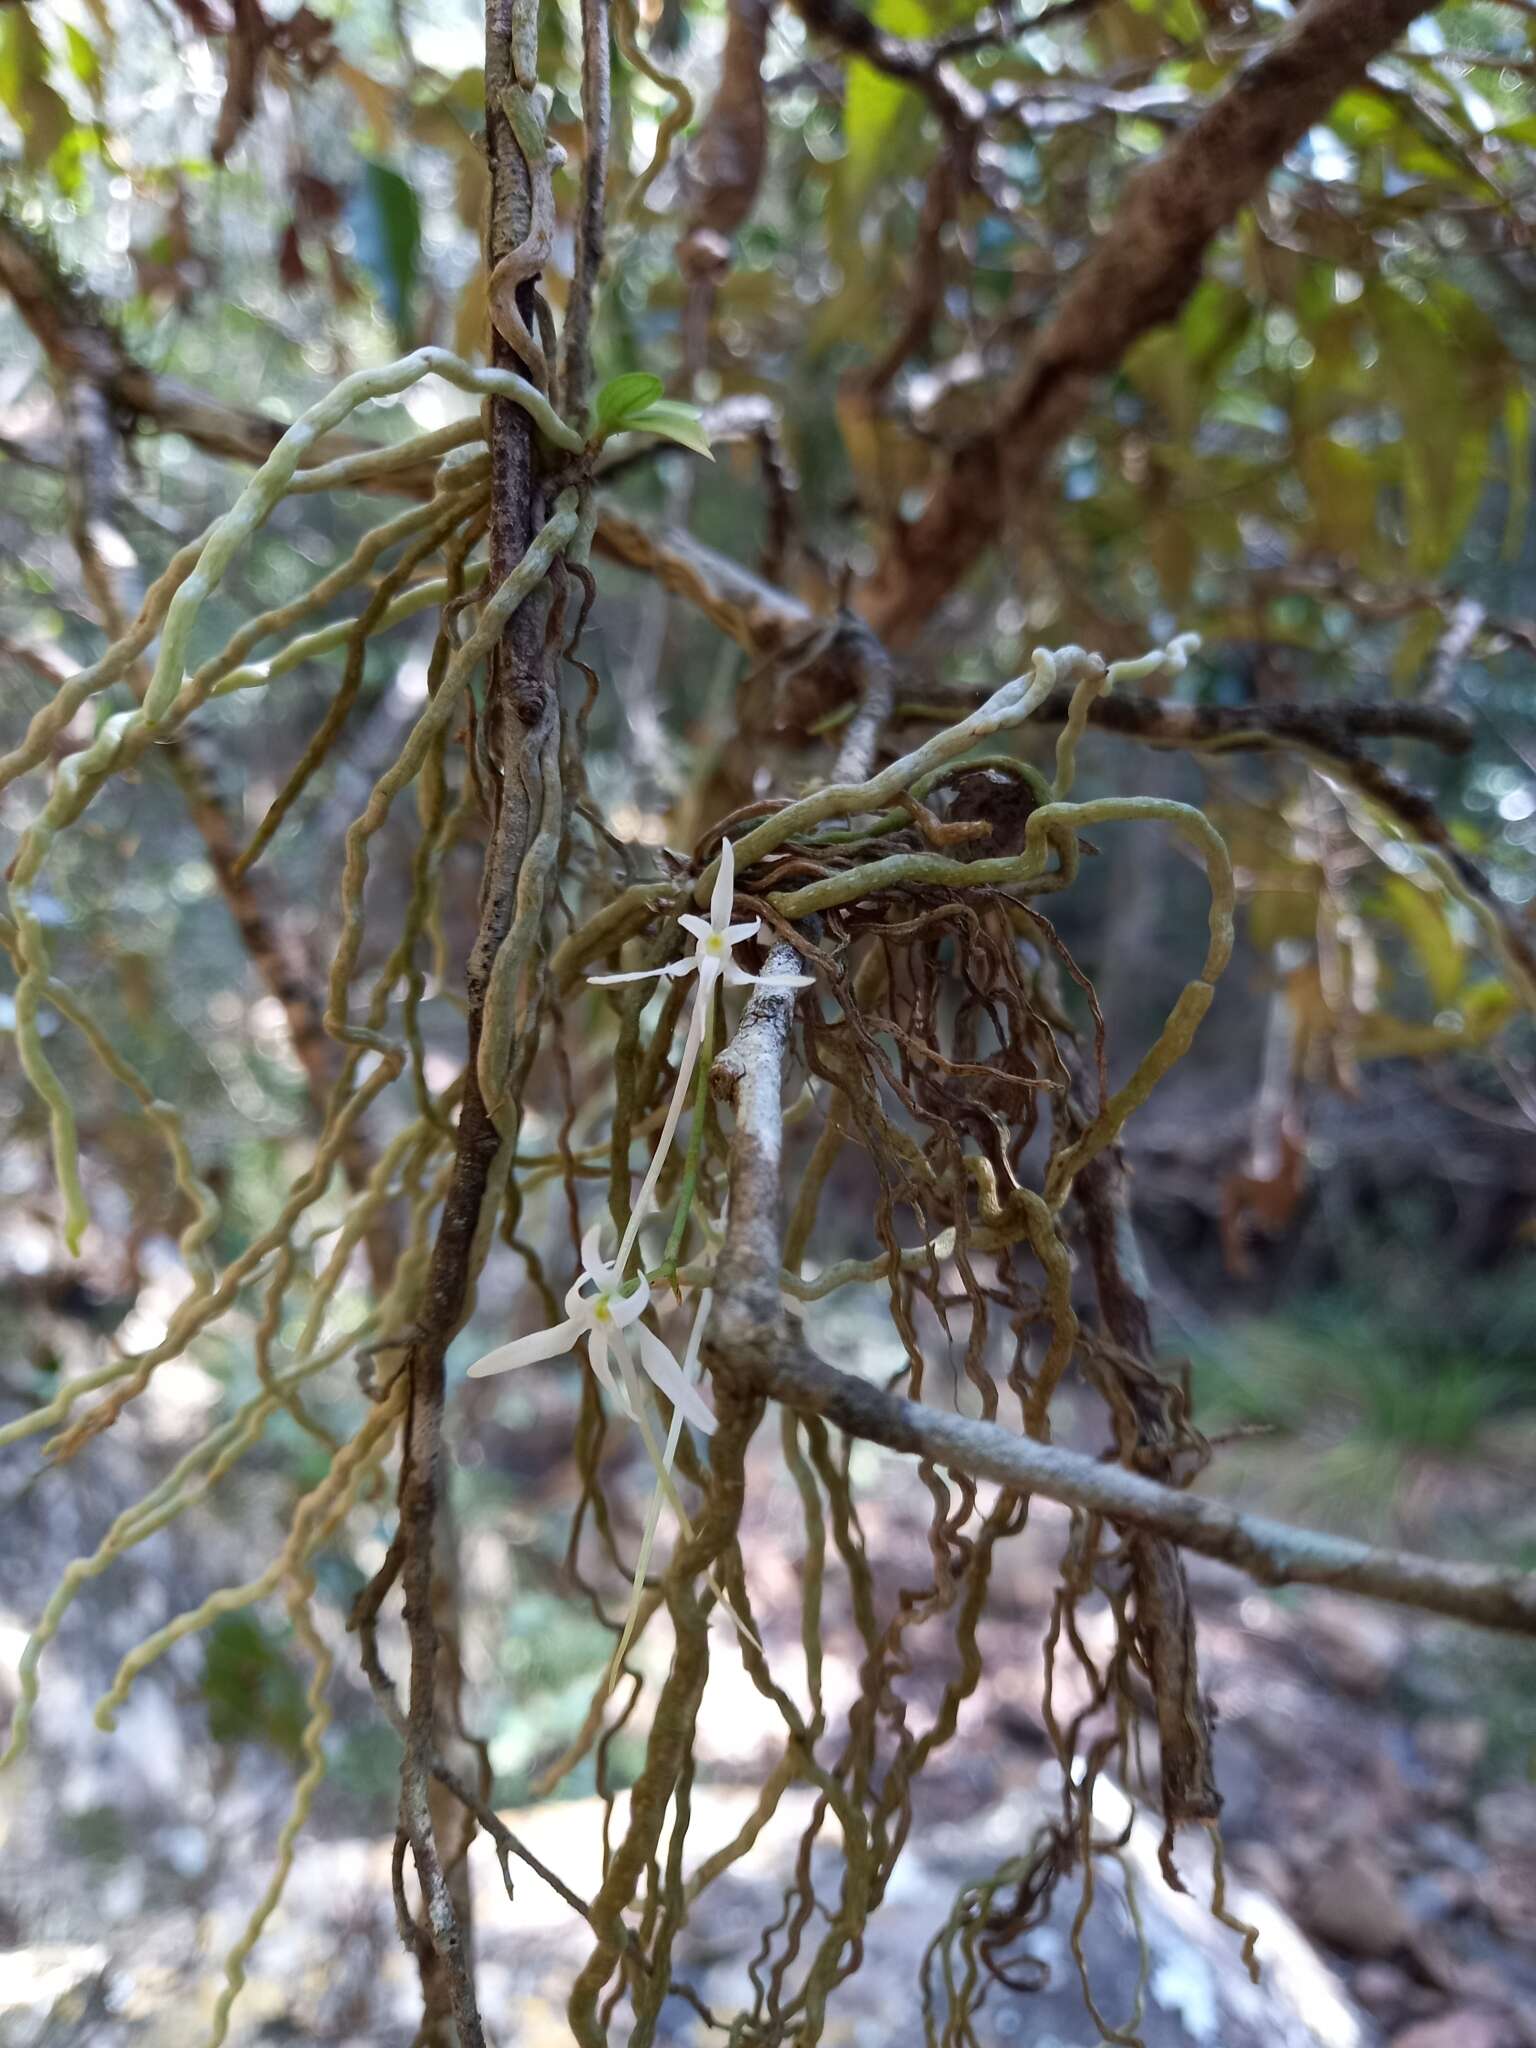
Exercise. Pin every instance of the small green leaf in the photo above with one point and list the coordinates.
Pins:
(625, 395)
(1422, 919)
(39, 112)
(251, 1690)
(386, 219)
(83, 60)
(1517, 456)
(875, 105)
(671, 420)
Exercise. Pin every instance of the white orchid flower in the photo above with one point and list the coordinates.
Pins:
(607, 1318)
(712, 957)
(717, 938)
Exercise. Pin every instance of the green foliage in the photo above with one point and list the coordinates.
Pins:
(26, 92)
(386, 218)
(623, 396)
(874, 105)
(251, 1689)
(1400, 1369)
(671, 419)
(633, 403)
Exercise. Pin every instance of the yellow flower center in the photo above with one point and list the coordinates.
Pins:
(715, 944)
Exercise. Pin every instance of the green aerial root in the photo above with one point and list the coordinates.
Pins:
(173, 605)
(316, 1518)
(303, 1800)
(677, 116)
(497, 610)
(193, 1479)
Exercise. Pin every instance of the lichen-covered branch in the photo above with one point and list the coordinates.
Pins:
(775, 1366)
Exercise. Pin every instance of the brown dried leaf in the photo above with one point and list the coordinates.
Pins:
(291, 267)
(247, 45)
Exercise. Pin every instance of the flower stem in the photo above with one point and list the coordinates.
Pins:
(698, 1024)
(695, 1151)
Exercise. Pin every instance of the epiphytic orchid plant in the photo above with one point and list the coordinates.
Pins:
(713, 960)
(610, 1314)
(614, 1307)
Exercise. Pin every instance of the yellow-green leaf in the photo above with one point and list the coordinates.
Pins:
(874, 105)
(1422, 919)
(670, 420)
(1517, 456)
(623, 396)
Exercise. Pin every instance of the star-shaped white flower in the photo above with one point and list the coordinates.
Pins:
(712, 957)
(717, 938)
(606, 1317)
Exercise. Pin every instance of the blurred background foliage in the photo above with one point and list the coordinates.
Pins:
(1323, 465)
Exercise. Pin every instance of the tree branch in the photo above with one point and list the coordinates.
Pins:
(521, 731)
(1143, 269)
(773, 1364)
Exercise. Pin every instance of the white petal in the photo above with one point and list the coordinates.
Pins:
(597, 1358)
(624, 1309)
(676, 969)
(735, 934)
(638, 974)
(640, 1408)
(529, 1350)
(697, 927)
(724, 889)
(591, 1255)
(668, 1375)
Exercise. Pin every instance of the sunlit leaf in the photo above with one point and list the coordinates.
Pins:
(1421, 917)
(83, 60)
(671, 420)
(40, 113)
(874, 105)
